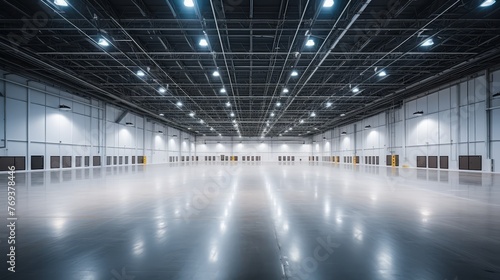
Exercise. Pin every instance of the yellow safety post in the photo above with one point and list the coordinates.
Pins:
(393, 160)
(144, 160)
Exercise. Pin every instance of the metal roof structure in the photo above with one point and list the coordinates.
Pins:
(250, 68)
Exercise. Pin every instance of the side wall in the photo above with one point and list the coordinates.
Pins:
(35, 126)
(459, 119)
(269, 149)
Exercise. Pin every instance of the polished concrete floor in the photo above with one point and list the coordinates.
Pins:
(254, 221)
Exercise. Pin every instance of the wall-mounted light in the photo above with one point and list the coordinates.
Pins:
(343, 133)
(418, 113)
(129, 124)
(159, 132)
(324, 138)
(174, 136)
(496, 94)
(63, 107)
(368, 127)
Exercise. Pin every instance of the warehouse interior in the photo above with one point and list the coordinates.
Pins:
(231, 139)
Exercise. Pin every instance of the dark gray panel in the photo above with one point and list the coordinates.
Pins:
(37, 162)
(443, 162)
(66, 161)
(20, 163)
(5, 162)
(96, 161)
(475, 163)
(55, 162)
(463, 162)
(433, 161)
(421, 161)
(78, 161)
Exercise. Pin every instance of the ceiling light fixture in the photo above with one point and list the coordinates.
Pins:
(342, 115)
(203, 43)
(179, 103)
(355, 90)
(488, 3)
(313, 114)
(103, 42)
(222, 90)
(428, 43)
(162, 115)
(228, 104)
(382, 73)
(285, 90)
(61, 3)
(278, 104)
(189, 3)
(328, 3)
(140, 73)
(310, 43)
(232, 114)
(301, 121)
(192, 114)
(216, 74)
(328, 104)
(162, 90)
(272, 114)
(294, 73)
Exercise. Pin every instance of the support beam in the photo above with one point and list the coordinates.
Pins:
(122, 116)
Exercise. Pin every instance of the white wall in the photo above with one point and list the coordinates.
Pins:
(36, 126)
(454, 124)
(269, 149)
